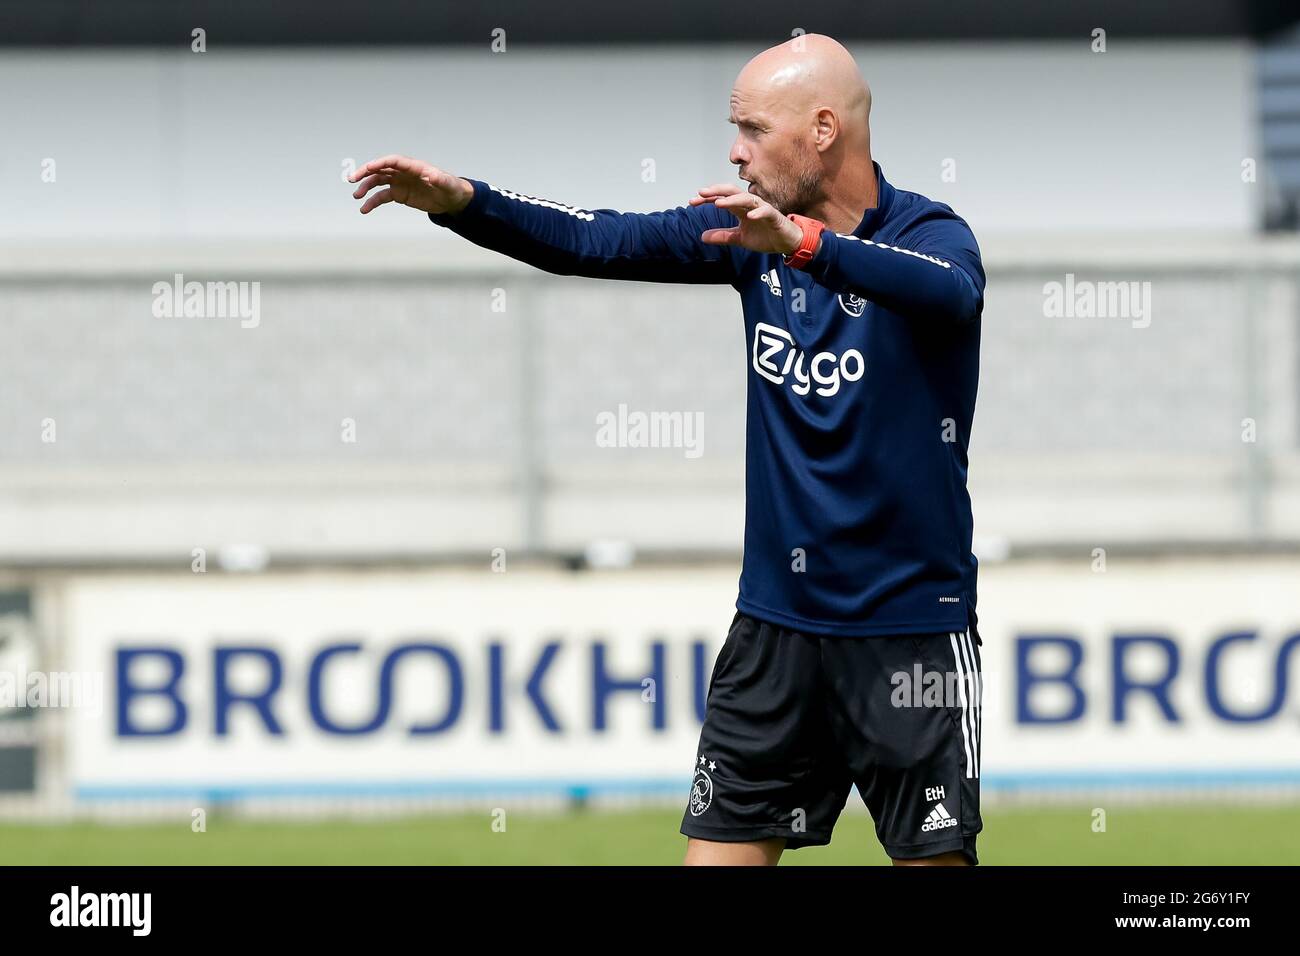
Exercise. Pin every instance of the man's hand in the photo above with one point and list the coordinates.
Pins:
(413, 183)
(762, 228)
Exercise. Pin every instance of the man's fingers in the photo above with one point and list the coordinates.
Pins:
(721, 237)
(738, 204)
(378, 199)
(370, 182)
(374, 166)
(738, 201)
(393, 163)
(764, 211)
(720, 189)
(372, 170)
(708, 194)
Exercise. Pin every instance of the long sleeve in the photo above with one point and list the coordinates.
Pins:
(934, 273)
(599, 243)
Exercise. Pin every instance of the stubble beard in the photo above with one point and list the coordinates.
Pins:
(800, 192)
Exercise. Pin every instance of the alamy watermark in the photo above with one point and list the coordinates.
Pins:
(208, 300)
(56, 689)
(1098, 300)
(929, 688)
(132, 911)
(634, 429)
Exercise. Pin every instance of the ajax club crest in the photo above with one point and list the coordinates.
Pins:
(854, 305)
(702, 788)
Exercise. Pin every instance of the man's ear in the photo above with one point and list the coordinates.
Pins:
(826, 128)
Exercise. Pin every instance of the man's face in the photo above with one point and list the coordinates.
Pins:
(774, 154)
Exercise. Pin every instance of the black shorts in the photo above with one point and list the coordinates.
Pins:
(794, 720)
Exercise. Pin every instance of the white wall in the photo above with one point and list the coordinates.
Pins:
(1048, 137)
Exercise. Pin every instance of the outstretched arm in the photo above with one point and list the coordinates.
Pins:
(600, 243)
(938, 275)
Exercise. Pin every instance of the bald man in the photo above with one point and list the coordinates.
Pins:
(853, 657)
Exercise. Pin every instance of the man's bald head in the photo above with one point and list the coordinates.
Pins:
(807, 73)
(802, 109)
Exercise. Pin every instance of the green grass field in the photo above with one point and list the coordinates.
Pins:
(1144, 835)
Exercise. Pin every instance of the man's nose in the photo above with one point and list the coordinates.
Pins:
(739, 155)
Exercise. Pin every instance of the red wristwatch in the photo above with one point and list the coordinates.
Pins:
(812, 233)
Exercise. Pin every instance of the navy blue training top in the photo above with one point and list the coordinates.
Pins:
(861, 390)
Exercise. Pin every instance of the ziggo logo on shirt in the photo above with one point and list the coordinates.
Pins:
(826, 368)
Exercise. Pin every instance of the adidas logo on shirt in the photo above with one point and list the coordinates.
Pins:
(773, 283)
(938, 819)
